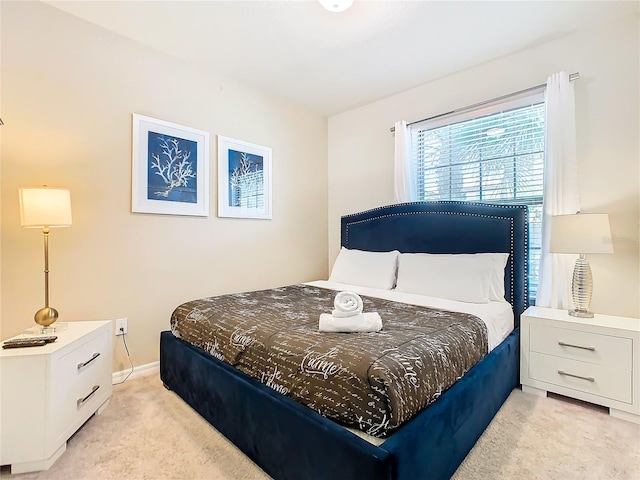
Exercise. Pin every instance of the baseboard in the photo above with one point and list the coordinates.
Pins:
(146, 369)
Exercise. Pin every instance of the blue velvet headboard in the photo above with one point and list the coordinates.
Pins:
(449, 227)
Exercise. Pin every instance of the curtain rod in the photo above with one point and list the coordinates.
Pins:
(572, 77)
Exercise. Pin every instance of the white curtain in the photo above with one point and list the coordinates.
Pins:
(561, 195)
(404, 174)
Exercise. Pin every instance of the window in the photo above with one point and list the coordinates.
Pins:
(493, 155)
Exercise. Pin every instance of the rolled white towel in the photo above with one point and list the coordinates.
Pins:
(363, 322)
(347, 304)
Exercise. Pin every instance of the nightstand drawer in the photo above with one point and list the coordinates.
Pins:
(82, 381)
(605, 350)
(612, 383)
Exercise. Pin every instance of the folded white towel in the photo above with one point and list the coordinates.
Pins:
(363, 322)
(347, 304)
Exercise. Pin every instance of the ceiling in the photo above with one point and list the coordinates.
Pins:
(333, 62)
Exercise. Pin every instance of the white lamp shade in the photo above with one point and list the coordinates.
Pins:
(581, 233)
(336, 5)
(45, 207)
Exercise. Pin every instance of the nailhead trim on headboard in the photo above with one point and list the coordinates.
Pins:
(497, 217)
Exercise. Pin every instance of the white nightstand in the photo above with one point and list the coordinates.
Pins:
(592, 359)
(48, 392)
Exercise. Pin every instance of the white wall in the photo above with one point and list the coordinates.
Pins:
(608, 139)
(68, 91)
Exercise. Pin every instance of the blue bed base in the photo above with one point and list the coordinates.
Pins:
(292, 442)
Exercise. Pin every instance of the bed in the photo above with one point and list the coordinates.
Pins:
(291, 441)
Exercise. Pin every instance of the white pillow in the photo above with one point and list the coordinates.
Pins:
(367, 269)
(472, 278)
(496, 289)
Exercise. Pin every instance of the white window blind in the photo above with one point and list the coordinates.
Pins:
(493, 155)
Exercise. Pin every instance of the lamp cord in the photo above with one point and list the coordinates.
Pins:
(124, 341)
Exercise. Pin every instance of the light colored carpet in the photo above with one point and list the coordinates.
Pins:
(148, 432)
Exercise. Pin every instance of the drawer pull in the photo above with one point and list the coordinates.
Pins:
(83, 400)
(589, 379)
(591, 349)
(82, 365)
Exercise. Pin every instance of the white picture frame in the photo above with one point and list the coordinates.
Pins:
(244, 179)
(170, 168)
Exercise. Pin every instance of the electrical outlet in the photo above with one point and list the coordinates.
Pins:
(121, 326)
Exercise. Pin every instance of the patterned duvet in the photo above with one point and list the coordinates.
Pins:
(370, 381)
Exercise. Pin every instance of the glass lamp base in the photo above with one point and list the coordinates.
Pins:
(47, 330)
(38, 330)
(581, 288)
(581, 313)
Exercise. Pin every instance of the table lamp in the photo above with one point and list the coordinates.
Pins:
(45, 207)
(581, 233)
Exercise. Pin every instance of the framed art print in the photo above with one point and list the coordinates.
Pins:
(170, 168)
(244, 179)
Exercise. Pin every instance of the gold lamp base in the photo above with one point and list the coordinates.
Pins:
(46, 316)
